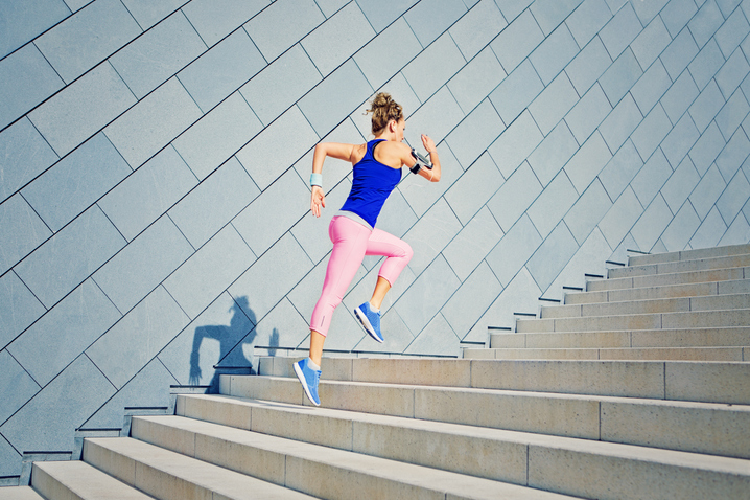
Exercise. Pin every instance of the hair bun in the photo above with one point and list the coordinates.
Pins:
(384, 109)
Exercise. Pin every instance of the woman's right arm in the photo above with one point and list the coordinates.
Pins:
(322, 150)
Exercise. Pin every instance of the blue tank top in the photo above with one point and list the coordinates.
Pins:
(372, 184)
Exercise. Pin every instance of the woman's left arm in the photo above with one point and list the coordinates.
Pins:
(431, 174)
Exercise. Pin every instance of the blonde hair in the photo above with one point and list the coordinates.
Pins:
(384, 109)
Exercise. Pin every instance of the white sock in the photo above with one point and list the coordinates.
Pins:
(312, 365)
(373, 309)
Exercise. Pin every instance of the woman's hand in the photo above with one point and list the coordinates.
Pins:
(317, 200)
(429, 144)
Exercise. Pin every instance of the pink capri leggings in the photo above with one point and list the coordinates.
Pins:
(351, 242)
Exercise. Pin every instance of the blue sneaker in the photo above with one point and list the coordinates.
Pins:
(370, 320)
(309, 379)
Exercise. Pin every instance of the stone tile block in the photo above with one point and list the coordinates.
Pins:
(471, 300)
(215, 20)
(651, 131)
(427, 295)
(148, 13)
(22, 230)
(734, 154)
(652, 223)
(141, 198)
(553, 152)
(209, 271)
(646, 11)
(517, 297)
(19, 307)
(651, 41)
(29, 20)
(587, 259)
(422, 195)
(335, 98)
(512, 8)
(679, 97)
(710, 231)
(25, 155)
(280, 269)
(727, 6)
(732, 114)
(679, 141)
(732, 74)
(18, 388)
(549, 14)
(81, 109)
(734, 197)
(706, 106)
(474, 189)
(26, 79)
(135, 271)
(676, 14)
(586, 164)
(436, 337)
(620, 218)
(476, 80)
(50, 344)
(472, 244)
(70, 256)
(473, 135)
(431, 234)
(73, 184)
(436, 118)
(552, 256)
(620, 31)
(587, 20)
(553, 103)
(381, 15)
(738, 232)
(515, 196)
(221, 70)
(331, 43)
(477, 28)
(280, 84)
(156, 120)
(587, 212)
(732, 32)
(706, 22)
(138, 337)
(554, 53)
(515, 144)
(677, 234)
(330, 7)
(517, 41)
(158, 54)
(681, 183)
(435, 65)
(556, 199)
(516, 92)
(707, 191)
(650, 87)
(707, 148)
(706, 64)
(651, 178)
(620, 123)
(620, 170)
(429, 19)
(272, 213)
(85, 39)
(679, 54)
(590, 111)
(588, 66)
(620, 77)
(379, 70)
(282, 24)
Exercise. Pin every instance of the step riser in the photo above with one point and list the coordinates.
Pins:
(726, 354)
(710, 288)
(691, 304)
(701, 253)
(77, 480)
(681, 267)
(50, 487)
(667, 279)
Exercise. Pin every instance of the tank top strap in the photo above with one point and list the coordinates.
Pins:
(370, 154)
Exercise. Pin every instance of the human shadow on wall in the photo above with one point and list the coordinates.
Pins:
(233, 339)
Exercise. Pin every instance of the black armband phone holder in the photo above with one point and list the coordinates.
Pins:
(421, 162)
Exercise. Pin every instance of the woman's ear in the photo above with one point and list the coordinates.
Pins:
(392, 124)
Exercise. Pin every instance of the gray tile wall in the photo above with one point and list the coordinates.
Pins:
(154, 159)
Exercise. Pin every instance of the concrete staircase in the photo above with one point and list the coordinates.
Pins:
(634, 389)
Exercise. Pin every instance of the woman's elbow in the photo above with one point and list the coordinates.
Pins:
(435, 177)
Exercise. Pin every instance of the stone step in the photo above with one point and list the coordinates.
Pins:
(329, 472)
(564, 465)
(727, 262)
(168, 475)
(708, 288)
(75, 479)
(701, 319)
(648, 306)
(473, 413)
(678, 337)
(655, 280)
(701, 253)
(729, 354)
(19, 493)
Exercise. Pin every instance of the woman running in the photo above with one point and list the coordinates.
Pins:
(376, 172)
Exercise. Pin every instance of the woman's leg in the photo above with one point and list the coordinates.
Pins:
(398, 254)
